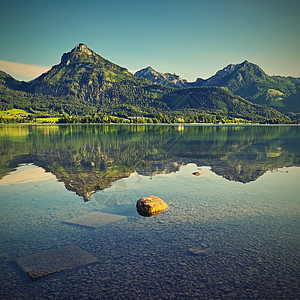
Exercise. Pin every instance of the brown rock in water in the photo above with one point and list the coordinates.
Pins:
(197, 173)
(150, 206)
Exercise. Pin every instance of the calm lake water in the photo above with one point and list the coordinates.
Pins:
(230, 233)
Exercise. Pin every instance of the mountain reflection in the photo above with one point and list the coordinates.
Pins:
(89, 158)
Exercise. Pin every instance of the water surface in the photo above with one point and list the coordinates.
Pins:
(243, 210)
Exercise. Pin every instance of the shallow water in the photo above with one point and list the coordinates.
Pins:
(243, 210)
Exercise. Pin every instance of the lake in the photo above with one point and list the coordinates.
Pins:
(70, 228)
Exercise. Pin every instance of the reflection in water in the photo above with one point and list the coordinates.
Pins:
(25, 174)
(89, 158)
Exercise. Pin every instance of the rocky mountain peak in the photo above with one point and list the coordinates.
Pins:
(150, 69)
(252, 68)
(75, 55)
(168, 79)
(82, 48)
(234, 71)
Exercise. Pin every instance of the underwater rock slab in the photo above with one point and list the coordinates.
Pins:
(199, 250)
(53, 261)
(95, 219)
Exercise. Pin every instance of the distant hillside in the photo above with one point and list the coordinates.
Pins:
(11, 83)
(219, 101)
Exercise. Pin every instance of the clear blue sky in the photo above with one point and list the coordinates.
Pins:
(192, 38)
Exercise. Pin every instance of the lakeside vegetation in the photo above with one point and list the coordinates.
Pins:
(19, 116)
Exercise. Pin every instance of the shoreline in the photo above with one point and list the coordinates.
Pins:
(143, 124)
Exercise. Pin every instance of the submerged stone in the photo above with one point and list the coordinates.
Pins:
(95, 219)
(53, 261)
(199, 250)
(150, 206)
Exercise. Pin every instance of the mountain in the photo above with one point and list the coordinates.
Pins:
(84, 83)
(87, 76)
(221, 102)
(250, 82)
(167, 79)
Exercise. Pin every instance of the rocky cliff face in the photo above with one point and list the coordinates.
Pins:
(71, 56)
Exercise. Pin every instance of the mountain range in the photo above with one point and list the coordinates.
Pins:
(246, 80)
(86, 83)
